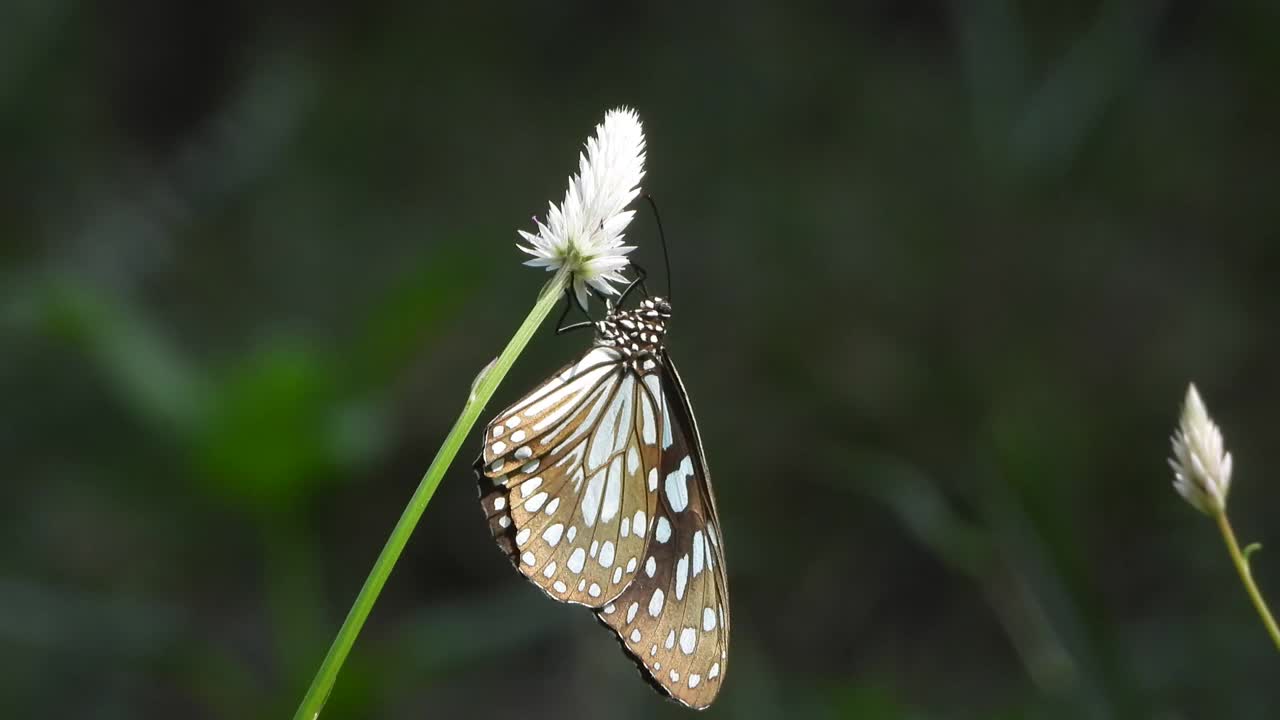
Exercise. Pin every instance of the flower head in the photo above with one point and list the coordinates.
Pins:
(584, 233)
(1201, 468)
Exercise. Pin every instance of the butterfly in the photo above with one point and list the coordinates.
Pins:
(595, 485)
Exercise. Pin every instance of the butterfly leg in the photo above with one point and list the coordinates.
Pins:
(569, 302)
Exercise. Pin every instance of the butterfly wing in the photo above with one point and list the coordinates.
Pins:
(673, 619)
(568, 477)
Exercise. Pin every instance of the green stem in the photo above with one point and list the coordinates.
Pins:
(483, 389)
(1242, 565)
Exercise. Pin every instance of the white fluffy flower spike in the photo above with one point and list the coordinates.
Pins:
(1201, 467)
(584, 233)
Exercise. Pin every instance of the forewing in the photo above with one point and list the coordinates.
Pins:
(568, 478)
(673, 619)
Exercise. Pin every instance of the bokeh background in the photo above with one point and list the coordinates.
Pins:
(941, 274)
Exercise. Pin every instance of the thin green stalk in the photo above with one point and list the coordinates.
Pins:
(483, 389)
(1242, 565)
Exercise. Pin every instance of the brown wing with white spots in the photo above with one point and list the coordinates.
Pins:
(674, 618)
(568, 478)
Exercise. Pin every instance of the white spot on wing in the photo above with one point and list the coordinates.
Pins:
(626, 420)
(606, 554)
(535, 502)
(591, 498)
(550, 570)
(577, 559)
(655, 602)
(708, 619)
(677, 485)
(650, 566)
(688, 640)
(609, 430)
(662, 532)
(612, 492)
(648, 424)
(666, 425)
(528, 486)
(529, 559)
(552, 534)
(682, 576)
(699, 553)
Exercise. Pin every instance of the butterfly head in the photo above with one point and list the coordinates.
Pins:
(657, 307)
(637, 332)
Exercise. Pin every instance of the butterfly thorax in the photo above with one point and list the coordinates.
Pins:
(637, 333)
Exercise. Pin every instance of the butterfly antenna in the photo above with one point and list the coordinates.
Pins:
(662, 237)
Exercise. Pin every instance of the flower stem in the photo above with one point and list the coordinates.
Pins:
(1242, 565)
(318, 693)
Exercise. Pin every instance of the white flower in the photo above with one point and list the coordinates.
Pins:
(1201, 468)
(584, 233)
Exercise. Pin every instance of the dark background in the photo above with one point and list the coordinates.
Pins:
(941, 275)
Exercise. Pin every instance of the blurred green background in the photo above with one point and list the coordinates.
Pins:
(941, 274)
